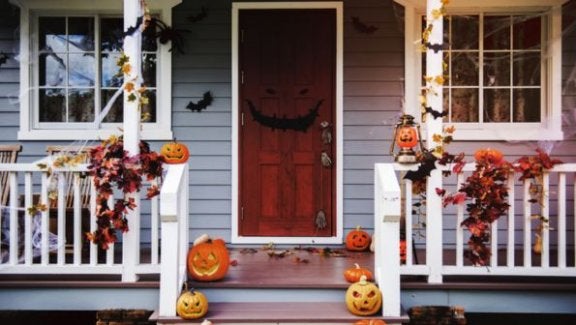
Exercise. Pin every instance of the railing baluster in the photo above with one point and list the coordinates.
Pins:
(562, 220)
(77, 223)
(546, 220)
(459, 229)
(93, 247)
(14, 218)
(408, 222)
(510, 257)
(61, 206)
(110, 251)
(154, 215)
(494, 243)
(527, 224)
(28, 196)
(45, 229)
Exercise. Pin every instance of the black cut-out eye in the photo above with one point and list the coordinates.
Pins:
(304, 91)
(270, 91)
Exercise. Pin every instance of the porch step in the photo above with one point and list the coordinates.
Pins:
(277, 313)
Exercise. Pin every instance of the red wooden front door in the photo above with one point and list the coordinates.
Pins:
(287, 140)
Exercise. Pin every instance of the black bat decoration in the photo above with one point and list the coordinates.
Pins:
(362, 27)
(427, 165)
(299, 123)
(132, 29)
(435, 47)
(3, 58)
(198, 17)
(202, 104)
(435, 113)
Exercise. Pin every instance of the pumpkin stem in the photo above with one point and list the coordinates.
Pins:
(357, 265)
(358, 228)
(363, 279)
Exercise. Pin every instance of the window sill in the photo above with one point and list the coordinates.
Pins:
(73, 135)
(507, 133)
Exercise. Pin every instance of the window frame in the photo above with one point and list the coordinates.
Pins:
(30, 10)
(550, 127)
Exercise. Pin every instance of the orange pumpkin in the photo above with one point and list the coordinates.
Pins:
(370, 322)
(175, 152)
(489, 155)
(358, 240)
(355, 273)
(208, 261)
(406, 137)
(403, 251)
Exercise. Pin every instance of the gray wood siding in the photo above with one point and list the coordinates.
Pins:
(373, 91)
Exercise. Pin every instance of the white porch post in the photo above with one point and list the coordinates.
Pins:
(434, 68)
(131, 125)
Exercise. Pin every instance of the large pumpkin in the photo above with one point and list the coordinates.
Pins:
(363, 298)
(358, 240)
(354, 274)
(208, 261)
(192, 305)
(175, 152)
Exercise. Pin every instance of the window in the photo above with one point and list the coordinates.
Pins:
(503, 70)
(72, 72)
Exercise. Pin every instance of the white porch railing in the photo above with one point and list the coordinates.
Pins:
(27, 250)
(512, 238)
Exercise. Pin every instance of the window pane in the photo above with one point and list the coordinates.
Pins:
(149, 69)
(496, 69)
(81, 71)
(81, 103)
(496, 105)
(526, 105)
(52, 34)
(115, 113)
(527, 32)
(52, 105)
(464, 105)
(112, 35)
(81, 34)
(526, 69)
(464, 32)
(465, 69)
(149, 111)
(52, 70)
(496, 32)
(110, 77)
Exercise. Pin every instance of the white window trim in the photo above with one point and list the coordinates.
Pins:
(337, 239)
(160, 130)
(551, 126)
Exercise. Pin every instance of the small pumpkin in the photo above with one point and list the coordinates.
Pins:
(402, 251)
(208, 261)
(175, 152)
(363, 298)
(192, 305)
(358, 240)
(370, 322)
(354, 274)
(489, 155)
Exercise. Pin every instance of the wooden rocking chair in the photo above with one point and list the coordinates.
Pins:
(8, 155)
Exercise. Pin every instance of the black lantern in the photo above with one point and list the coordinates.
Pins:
(406, 137)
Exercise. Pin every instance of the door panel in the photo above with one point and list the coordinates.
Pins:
(287, 62)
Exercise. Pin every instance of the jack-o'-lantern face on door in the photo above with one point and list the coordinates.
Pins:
(363, 298)
(208, 261)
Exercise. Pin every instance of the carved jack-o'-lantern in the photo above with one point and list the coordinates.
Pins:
(358, 240)
(406, 137)
(208, 261)
(370, 322)
(192, 305)
(363, 298)
(175, 152)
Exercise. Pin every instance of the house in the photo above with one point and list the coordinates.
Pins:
(348, 69)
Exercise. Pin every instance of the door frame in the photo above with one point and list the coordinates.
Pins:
(235, 237)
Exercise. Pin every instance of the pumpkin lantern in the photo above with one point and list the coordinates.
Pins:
(192, 305)
(208, 261)
(175, 152)
(355, 273)
(363, 298)
(370, 322)
(358, 240)
(406, 137)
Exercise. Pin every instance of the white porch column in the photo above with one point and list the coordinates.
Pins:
(434, 68)
(131, 125)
